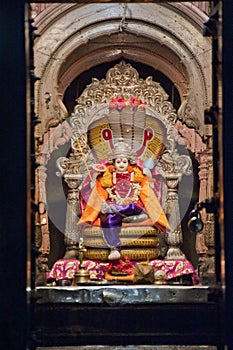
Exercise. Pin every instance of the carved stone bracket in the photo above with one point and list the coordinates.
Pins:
(188, 113)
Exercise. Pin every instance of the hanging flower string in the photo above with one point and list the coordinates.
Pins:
(120, 103)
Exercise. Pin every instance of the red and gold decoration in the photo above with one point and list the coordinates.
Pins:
(122, 270)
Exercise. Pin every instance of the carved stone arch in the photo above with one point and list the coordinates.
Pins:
(133, 53)
(64, 33)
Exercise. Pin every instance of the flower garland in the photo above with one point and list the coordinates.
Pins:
(120, 103)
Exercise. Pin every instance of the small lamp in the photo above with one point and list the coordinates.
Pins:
(195, 223)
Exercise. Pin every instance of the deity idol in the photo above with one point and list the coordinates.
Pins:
(121, 191)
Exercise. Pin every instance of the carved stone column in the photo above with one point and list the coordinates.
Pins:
(71, 169)
(203, 151)
(174, 238)
(72, 234)
(206, 255)
(42, 235)
(44, 146)
(174, 166)
(201, 247)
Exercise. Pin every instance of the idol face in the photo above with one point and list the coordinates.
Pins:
(121, 164)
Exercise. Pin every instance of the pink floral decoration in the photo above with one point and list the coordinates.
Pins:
(120, 103)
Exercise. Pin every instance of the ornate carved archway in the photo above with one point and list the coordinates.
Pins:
(160, 35)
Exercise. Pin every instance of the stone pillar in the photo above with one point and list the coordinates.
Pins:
(201, 247)
(42, 234)
(72, 234)
(173, 238)
(174, 166)
(71, 170)
(205, 240)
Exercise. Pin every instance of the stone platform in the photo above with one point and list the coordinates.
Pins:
(115, 316)
(115, 294)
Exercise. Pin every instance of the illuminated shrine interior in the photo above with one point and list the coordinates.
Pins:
(129, 83)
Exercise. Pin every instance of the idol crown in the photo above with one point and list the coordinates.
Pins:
(122, 149)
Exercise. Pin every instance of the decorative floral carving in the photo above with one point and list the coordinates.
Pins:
(123, 81)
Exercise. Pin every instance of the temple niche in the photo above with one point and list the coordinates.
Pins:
(127, 78)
